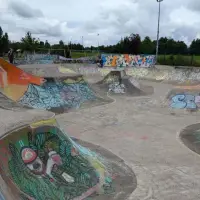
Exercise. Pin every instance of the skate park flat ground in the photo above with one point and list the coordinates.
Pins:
(144, 133)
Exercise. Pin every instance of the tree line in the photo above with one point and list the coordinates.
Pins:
(132, 44)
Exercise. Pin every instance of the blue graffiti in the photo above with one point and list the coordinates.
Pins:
(184, 101)
(103, 57)
(57, 94)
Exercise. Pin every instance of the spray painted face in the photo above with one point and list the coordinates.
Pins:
(32, 161)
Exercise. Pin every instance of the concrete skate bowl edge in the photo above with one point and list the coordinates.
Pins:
(39, 161)
(190, 136)
(171, 76)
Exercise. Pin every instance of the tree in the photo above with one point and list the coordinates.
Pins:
(29, 43)
(5, 42)
(1, 35)
(61, 43)
(47, 45)
(195, 47)
(135, 44)
(147, 46)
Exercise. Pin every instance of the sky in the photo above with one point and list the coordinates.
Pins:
(103, 21)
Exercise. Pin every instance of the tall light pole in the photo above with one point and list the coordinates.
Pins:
(158, 30)
(98, 41)
(82, 43)
(83, 46)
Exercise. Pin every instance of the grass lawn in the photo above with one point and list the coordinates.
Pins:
(185, 58)
(83, 54)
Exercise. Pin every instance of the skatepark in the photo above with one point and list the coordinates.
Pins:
(75, 131)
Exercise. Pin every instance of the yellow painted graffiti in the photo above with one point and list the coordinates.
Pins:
(66, 70)
(73, 81)
(51, 122)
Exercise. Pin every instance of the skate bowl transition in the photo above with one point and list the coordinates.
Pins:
(58, 94)
(40, 161)
(190, 136)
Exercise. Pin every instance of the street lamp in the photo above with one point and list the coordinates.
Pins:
(98, 41)
(158, 30)
(82, 43)
(83, 47)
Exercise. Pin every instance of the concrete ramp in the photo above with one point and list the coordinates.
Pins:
(54, 92)
(117, 82)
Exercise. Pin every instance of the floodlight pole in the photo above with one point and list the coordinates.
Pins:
(158, 30)
(98, 41)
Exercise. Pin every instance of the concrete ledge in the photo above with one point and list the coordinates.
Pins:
(10, 120)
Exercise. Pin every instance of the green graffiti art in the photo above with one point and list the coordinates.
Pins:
(44, 164)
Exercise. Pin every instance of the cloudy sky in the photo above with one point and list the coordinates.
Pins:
(111, 19)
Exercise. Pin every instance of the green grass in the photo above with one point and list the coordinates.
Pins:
(83, 54)
(179, 60)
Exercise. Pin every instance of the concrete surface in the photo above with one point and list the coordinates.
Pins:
(143, 131)
(124, 180)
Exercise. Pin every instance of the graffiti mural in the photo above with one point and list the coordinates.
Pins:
(127, 60)
(44, 163)
(68, 94)
(117, 88)
(188, 101)
(40, 58)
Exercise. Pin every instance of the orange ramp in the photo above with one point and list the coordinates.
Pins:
(14, 81)
(18, 76)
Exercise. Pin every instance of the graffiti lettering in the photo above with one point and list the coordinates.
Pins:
(125, 60)
(185, 101)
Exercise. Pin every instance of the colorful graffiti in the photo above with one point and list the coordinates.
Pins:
(188, 101)
(127, 60)
(57, 94)
(37, 92)
(41, 58)
(43, 163)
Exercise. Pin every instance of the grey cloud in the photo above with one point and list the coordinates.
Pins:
(24, 10)
(52, 31)
(73, 24)
(111, 22)
(194, 5)
(185, 31)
